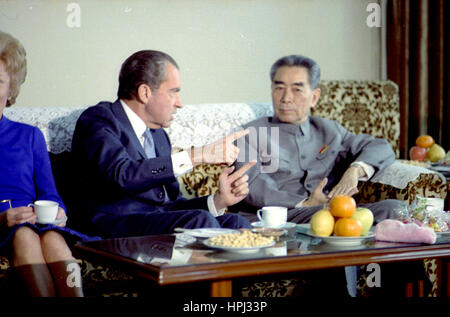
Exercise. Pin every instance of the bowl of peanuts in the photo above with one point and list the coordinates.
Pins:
(243, 241)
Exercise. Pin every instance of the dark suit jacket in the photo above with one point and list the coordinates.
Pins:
(116, 176)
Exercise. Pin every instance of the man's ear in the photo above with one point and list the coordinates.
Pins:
(144, 93)
(316, 96)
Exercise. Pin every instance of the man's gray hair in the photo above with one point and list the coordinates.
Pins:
(299, 61)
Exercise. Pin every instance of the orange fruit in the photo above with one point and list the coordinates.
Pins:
(347, 227)
(342, 206)
(425, 141)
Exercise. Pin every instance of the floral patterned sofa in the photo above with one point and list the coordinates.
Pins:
(361, 106)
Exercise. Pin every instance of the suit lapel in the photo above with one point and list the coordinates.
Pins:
(162, 146)
(128, 129)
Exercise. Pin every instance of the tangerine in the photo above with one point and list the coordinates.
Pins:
(425, 141)
(347, 227)
(342, 206)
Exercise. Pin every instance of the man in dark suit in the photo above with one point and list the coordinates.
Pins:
(127, 165)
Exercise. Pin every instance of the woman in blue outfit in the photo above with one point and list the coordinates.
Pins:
(40, 255)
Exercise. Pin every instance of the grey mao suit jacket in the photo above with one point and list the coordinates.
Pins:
(292, 159)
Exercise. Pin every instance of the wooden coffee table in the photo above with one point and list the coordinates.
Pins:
(176, 259)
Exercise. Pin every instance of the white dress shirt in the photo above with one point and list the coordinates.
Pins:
(181, 161)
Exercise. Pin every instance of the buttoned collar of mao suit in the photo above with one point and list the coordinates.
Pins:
(291, 128)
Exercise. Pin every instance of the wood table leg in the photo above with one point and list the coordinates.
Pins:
(221, 288)
(445, 278)
(409, 289)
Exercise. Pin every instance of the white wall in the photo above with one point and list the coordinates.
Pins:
(224, 47)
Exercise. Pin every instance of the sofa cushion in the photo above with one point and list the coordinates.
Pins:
(370, 107)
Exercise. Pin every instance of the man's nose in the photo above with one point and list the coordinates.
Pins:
(287, 95)
(178, 103)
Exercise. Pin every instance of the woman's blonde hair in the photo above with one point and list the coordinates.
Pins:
(13, 55)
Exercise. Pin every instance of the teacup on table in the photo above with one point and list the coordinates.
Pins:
(45, 210)
(272, 216)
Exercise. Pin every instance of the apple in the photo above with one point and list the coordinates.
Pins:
(365, 216)
(435, 153)
(417, 153)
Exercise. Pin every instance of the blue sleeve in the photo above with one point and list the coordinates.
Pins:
(42, 170)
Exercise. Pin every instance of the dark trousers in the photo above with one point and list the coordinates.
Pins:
(163, 222)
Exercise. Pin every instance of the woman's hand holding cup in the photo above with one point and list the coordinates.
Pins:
(46, 211)
(61, 214)
(19, 215)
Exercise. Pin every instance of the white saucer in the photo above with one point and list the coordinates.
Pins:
(205, 232)
(287, 225)
(55, 222)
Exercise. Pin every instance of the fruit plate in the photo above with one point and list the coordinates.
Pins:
(238, 249)
(334, 240)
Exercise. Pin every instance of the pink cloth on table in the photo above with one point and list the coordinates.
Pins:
(396, 231)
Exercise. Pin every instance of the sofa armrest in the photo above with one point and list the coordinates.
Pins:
(203, 180)
(403, 182)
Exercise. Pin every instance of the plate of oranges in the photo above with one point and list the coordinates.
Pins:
(343, 241)
(341, 223)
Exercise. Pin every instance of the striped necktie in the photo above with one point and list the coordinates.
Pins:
(149, 145)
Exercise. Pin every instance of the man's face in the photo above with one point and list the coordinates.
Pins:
(163, 103)
(292, 96)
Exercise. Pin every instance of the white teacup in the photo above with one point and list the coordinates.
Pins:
(45, 210)
(272, 216)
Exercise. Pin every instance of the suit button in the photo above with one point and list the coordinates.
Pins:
(303, 156)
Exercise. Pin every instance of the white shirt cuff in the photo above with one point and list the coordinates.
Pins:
(212, 207)
(368, 169)
(300, 204)
(181, 163)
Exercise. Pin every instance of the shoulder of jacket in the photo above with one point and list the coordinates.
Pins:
(260, 122)
(324, 122)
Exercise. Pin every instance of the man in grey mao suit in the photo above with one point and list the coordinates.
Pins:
(304, 160)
